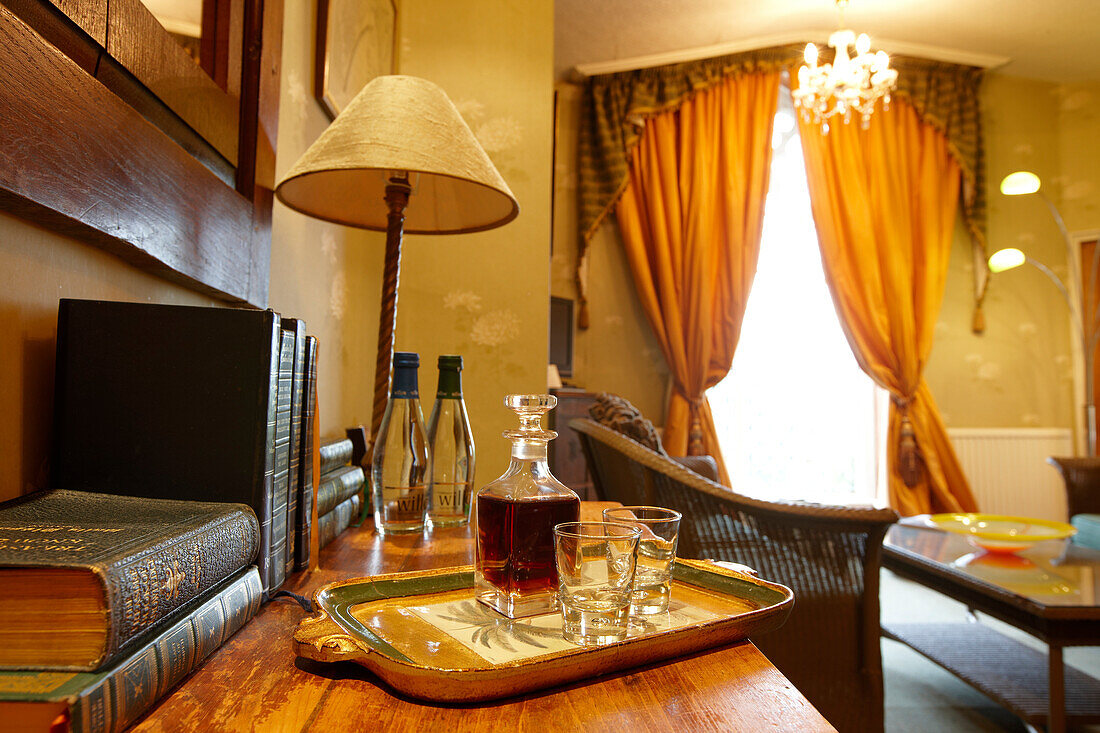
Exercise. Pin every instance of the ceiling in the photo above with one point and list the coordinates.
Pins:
(1056, 40)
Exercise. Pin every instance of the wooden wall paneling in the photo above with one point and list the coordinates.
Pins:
(235, 52)
(111, 74)
(70, 37)
(263, 35)
(76, 158)
(49, 22)
(141, 45)
(222, 25)
(90, 15)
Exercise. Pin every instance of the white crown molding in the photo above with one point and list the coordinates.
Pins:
(950, 55)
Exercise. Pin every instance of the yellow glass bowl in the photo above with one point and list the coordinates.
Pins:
(998, 533)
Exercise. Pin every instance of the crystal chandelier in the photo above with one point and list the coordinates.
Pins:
(849, 84)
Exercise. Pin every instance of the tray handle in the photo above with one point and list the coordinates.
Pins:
(321, 639)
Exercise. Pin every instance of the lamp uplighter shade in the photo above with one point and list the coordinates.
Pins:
(397, 125)
(1020, 183)
(1006, 259)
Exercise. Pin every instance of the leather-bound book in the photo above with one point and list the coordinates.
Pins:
(281, 490)
(337, 486)
(306, 484)
(168, 401)
(82, 575)
(333, 523)
(335, 453)
(113, 698)
(296, 327)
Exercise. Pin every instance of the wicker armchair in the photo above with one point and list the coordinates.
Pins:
(830, 557)
(1082, 479)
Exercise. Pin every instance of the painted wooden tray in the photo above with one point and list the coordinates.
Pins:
(425, 635)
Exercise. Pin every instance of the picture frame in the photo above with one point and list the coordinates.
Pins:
(356, 41)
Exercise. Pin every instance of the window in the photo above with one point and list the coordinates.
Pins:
(796, 416)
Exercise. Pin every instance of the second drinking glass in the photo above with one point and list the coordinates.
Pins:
(660, 530)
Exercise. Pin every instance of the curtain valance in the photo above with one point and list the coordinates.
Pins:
(947, 97)
(615, 106)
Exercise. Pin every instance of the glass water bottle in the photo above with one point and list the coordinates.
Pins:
(451, 443)
(514, 570)
(399, 471)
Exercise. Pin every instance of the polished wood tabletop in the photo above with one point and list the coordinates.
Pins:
(255, 681)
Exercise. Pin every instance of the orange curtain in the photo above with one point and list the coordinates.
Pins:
(884, 202)
(691, 218)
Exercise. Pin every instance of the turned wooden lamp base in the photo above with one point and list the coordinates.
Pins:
(397, 198)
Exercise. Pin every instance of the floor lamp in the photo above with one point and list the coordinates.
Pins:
(400, 158)
(1088, 329)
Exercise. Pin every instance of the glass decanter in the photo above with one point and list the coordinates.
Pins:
(514, 570)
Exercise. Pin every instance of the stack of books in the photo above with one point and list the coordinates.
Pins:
(202, 404)
(107, 602)
(339, 490)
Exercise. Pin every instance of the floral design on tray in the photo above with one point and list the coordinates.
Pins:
(499, 640)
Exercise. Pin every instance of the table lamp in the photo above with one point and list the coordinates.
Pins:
(399, 158)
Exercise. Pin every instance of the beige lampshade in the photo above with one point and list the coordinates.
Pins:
(400, 124)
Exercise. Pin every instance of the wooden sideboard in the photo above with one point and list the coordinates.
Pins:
(566, 455)
(255, 681)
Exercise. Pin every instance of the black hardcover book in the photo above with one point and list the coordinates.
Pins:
(304, 519)
(113, 698)
(168, 401)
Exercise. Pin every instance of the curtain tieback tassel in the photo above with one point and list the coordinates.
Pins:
(695, 438)
(909, 457)
(695, 430)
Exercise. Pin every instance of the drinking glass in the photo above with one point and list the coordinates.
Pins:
(660, 529)
(595, 562)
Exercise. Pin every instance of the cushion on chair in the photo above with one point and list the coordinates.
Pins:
(705, 466)
(1088, 530)
(615, 413)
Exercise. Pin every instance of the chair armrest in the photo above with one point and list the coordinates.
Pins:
(705, 466)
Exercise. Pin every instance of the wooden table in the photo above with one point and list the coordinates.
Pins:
(255, 682)
(1050, 591)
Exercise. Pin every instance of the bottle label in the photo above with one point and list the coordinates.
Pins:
(405, 502)
(450, 496)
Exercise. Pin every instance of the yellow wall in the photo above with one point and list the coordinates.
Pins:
(1079, 124)
(486, 295)
(325, 274)
(496, 53)
(1018, 373)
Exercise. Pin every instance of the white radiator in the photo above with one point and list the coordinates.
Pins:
(1008, 470)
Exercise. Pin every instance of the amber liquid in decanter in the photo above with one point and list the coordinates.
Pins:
(514, 571)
